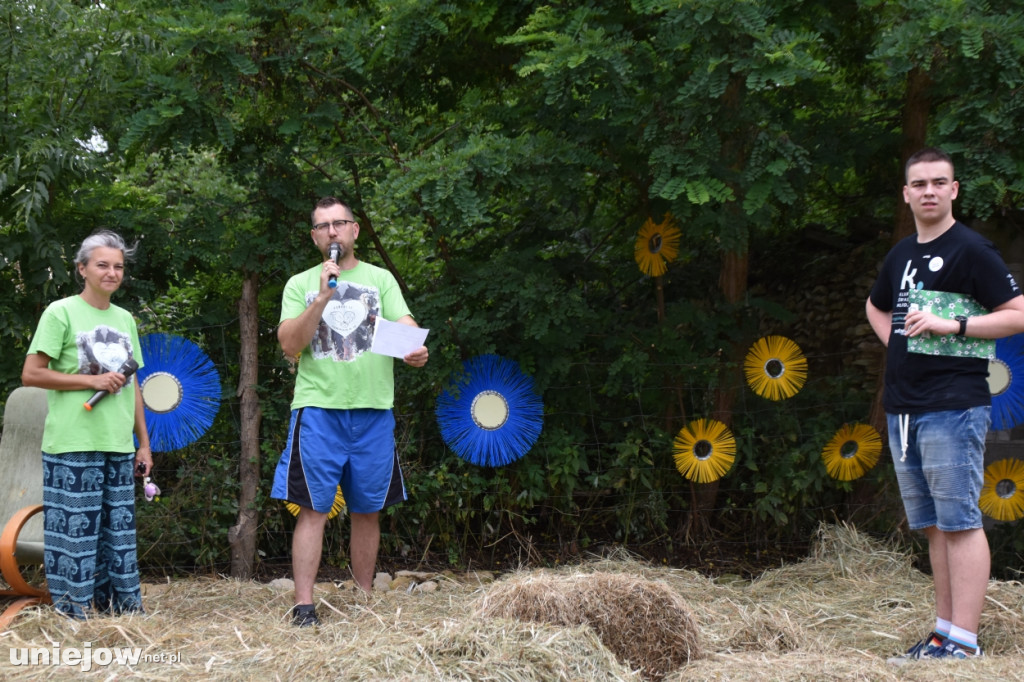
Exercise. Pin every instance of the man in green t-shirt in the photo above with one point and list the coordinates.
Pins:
(342, 428)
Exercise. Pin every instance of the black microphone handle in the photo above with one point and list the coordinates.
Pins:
(96, 397)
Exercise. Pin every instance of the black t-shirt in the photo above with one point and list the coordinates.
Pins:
(960, 261)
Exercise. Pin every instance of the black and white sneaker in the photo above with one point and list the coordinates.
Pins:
(926, 648)
(953, 650)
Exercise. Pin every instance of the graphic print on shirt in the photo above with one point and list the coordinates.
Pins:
(908, 282)
(346, 327)
(102, 350)
(1013, 283)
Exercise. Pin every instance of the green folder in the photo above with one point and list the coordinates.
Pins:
(949, 305)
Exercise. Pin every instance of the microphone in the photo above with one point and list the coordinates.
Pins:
(127, 369)
(334, 252)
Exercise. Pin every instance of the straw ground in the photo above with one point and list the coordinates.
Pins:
(837, 615)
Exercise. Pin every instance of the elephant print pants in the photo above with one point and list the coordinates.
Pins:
(89, 512)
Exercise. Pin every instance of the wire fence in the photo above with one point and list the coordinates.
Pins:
(609, 504)
(598, 510)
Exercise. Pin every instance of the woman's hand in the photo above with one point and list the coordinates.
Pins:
(143, 461)
(111, 382)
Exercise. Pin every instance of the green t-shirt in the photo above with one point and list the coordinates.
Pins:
(337, 370)
(81, 339)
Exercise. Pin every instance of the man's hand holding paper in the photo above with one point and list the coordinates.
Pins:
(401, 341)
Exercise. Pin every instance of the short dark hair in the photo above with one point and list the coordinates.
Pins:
(327, 202)
(927, 155)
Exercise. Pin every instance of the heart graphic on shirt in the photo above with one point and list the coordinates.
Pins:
(344, 317)
(110, 355)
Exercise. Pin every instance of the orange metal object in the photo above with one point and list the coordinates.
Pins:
(24, 594)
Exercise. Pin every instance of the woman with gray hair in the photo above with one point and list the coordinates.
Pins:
(80, 349)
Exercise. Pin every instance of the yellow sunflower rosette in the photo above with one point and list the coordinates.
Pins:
(775, 368)
(852, 452)
(657, 245)
(1002, 494)
(704, 450)
(336, 508)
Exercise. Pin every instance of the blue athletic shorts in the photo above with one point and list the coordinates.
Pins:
(941, 477)
(351, 448)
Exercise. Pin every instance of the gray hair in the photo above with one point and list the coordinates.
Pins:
(103, 239)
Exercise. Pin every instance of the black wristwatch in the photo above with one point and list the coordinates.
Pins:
(962, 319)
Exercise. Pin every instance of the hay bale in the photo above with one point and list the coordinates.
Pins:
(643, 622)
(495, 649)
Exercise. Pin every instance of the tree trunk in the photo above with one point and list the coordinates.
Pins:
(242, 536)
(732, 282)
(733, 285)
(916, 112)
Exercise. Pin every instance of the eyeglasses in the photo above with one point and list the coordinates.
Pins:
(338, 225)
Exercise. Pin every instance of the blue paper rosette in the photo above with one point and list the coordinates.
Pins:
(180, 391)
(489, 415)
(1006, 383)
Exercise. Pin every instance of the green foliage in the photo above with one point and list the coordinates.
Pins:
(970, 51)
(779, 474)
(186, 528)
(1007, 550)
(65, 75)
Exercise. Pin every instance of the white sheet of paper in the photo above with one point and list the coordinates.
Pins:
(396, 339)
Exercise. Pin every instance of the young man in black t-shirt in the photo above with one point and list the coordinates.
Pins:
(938, 407)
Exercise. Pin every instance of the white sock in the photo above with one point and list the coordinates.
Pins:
(964, 637)
(942, 626)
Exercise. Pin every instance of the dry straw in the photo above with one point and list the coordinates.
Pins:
(837, 615)
(641, 621)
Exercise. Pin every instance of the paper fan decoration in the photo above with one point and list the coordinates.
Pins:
(1006, 383)
(657, 245)
(489, 415)
(704, 450)
(851, 453)
(336, 508)
(180, 391)
(1002, 495)
(775, 367)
